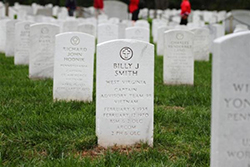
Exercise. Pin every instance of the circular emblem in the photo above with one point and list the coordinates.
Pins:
(126, 53)
(27, 26)
(108, 28)
(179, 36)
(45, 30)
(75, 40)
(138, 32)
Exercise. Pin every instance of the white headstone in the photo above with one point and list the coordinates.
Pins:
(125, 93)
(138, 33)
(230, 135)
(10, 38)
(107, 32)
(70, 26)
(160, 39)
(42, 50)
(45, 12)
(142, 23)
(22, 43)
(155, 25)
(178, 57)
(3, 34)
(116, 9)
(114, 20)
(121, 30)
(220, 31)
(2, 11)
(201, 44)
(87, 28)
(74, 66)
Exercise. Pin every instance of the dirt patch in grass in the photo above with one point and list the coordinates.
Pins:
(100, 151)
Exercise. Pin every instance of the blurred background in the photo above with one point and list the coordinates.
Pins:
(158, 4)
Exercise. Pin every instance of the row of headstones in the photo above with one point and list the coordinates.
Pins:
(125, 72)
(35, 46)
(16, 35)
(204, 36)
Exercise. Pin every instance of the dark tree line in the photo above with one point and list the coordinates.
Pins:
(159, 4)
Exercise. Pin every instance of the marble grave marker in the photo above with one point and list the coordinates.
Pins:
(22, 42)
(107, 32)
(10, 38)
(230, 137)
(74, 66)
(125, 92)
(201, 44)
(42, 50)
(178, 58)
(138, 33)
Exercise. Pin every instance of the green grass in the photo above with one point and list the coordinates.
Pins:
(35, 131)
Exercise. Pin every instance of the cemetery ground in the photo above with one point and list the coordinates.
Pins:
(35, 131)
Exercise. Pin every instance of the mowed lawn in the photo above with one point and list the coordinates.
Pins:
(35, 131)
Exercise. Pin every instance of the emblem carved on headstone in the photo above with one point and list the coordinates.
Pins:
(26, 27)
(126, 53)
(45, 30)
(75, 40)
(179, 36)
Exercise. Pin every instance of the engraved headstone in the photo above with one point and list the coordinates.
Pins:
(125, 93)
(138, 33)
(42, 50)
(74, 66)
(107, 32)
(231, 101)
(22, 43)
(10, 38)
(178, 57)
(201, 44)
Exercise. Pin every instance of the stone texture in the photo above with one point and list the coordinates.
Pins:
(116, 9)
(70, 26)
(178, 58)
(3, 34)
(42, 50)
(138, 33)
(107, 32)
(230, 101)
(125, 93)
(22, 43)
(87, 28)
(73, 67)
(201, 44)
(10, 38)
